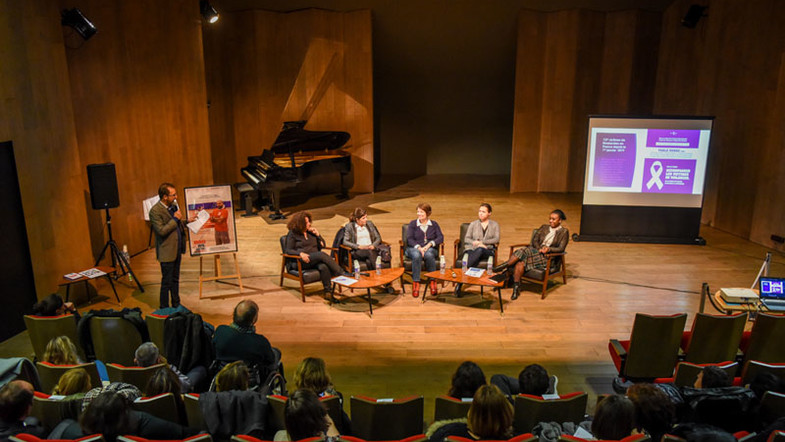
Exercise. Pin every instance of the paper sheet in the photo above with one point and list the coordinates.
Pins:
(201, 218)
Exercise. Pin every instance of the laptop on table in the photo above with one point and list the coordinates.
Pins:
(772, 293)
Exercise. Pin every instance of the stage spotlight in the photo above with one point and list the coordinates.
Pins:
(693, 15)
(75, 19)
(208, 12)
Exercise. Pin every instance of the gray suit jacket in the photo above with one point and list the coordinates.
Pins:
(165, 228)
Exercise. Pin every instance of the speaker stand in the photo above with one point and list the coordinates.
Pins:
(117, 257)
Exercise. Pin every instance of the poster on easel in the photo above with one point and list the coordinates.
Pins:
(213, 230)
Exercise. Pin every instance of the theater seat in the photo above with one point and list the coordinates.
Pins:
(531, 410)
(386, 419)
(653, 347)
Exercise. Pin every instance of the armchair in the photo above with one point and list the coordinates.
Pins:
(555, 266)
(653, 347)
(292, 268)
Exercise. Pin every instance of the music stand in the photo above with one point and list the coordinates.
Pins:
(117, 257)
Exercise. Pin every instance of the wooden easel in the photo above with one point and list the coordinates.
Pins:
(218, 273)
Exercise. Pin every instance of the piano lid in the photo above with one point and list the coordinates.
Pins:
(294, 138)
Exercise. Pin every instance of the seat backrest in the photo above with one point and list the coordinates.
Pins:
(114, 340)
(52, 411)
(687, 372)
(530, 410)
(461, 244)
(630, 438)
(204, 437)
(137, 376)
(447, 407)
(42, 329)
(654, 345)
(386, 419)
(772, 407)
(278, 405)
(715, 338)
(50, 374)
(193, 412)
(776, 436)
(155, 326)
(163, 406)
(766, 338)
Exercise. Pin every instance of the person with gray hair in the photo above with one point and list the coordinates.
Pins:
(148, 354)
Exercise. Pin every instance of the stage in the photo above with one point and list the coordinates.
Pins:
(412, 348)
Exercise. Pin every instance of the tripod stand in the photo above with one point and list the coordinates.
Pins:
(117, 257)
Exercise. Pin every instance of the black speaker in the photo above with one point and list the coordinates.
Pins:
(103, 186)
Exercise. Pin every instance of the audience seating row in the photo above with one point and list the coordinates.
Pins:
(114, 339)
(658, 343)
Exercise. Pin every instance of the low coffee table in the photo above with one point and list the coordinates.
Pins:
(483, 281)
(371, 281)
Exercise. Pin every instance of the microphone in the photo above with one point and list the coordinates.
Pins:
(176, 206)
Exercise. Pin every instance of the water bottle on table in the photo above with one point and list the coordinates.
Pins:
(356, 269)
(127, 262)
(465, 263)
(378, 265)
(442, 264)
(490, 265)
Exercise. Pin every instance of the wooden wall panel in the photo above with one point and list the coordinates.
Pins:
(36, 114)
(729, 66)
(139, 99)
(265, 68)
(579, 63)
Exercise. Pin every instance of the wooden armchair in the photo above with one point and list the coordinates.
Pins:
(555, 266)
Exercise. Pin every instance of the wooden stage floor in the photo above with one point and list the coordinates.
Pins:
(413, 348)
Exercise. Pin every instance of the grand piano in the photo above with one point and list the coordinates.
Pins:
(298, 156)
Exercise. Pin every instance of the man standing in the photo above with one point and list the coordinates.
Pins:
(169, 228)
(219, 217)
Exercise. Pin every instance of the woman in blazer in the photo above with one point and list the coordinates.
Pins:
(423, 238)
(363, 238)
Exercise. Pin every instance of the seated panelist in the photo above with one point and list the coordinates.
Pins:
(362, 237)
(550, 238)
(481, 240)
(423, 238)
(304, 240)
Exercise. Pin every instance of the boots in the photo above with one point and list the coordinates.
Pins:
(516, 291)
(416, 289)
(434, 288)
(505, 265)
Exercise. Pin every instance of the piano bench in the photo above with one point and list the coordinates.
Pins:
(247, 196)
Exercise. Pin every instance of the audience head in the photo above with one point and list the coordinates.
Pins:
(234, 376)
(654, 411)
(163, 380)
(52, 305)
(128, 391)
(299, 222)
(425, 207)
(490, 415)
(147, 354)
(107, 414)
(73, 381)
(713, 377)
(358, 213)
(692, 432)
(61, 351)
(245, 314)
(16, 400)
(312, 374)
(466, 380)
(614, 418)
(533, 380)
(766, 381)
(305, 416)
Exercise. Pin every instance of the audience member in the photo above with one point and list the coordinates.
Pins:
(53, 305)
(234, 376)
(692, 432)
(16, 401)
(490, 418)
(466, 380)
(533, 380)
(305, 416)
(614, 418)
(655, 414)
(148, 354)
(240, 342)
(73, 382)
(713, 377)
(163, 381)
(110, 414)
(312, 374)
(61, 351)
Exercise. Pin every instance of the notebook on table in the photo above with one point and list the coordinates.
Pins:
(772, 293)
